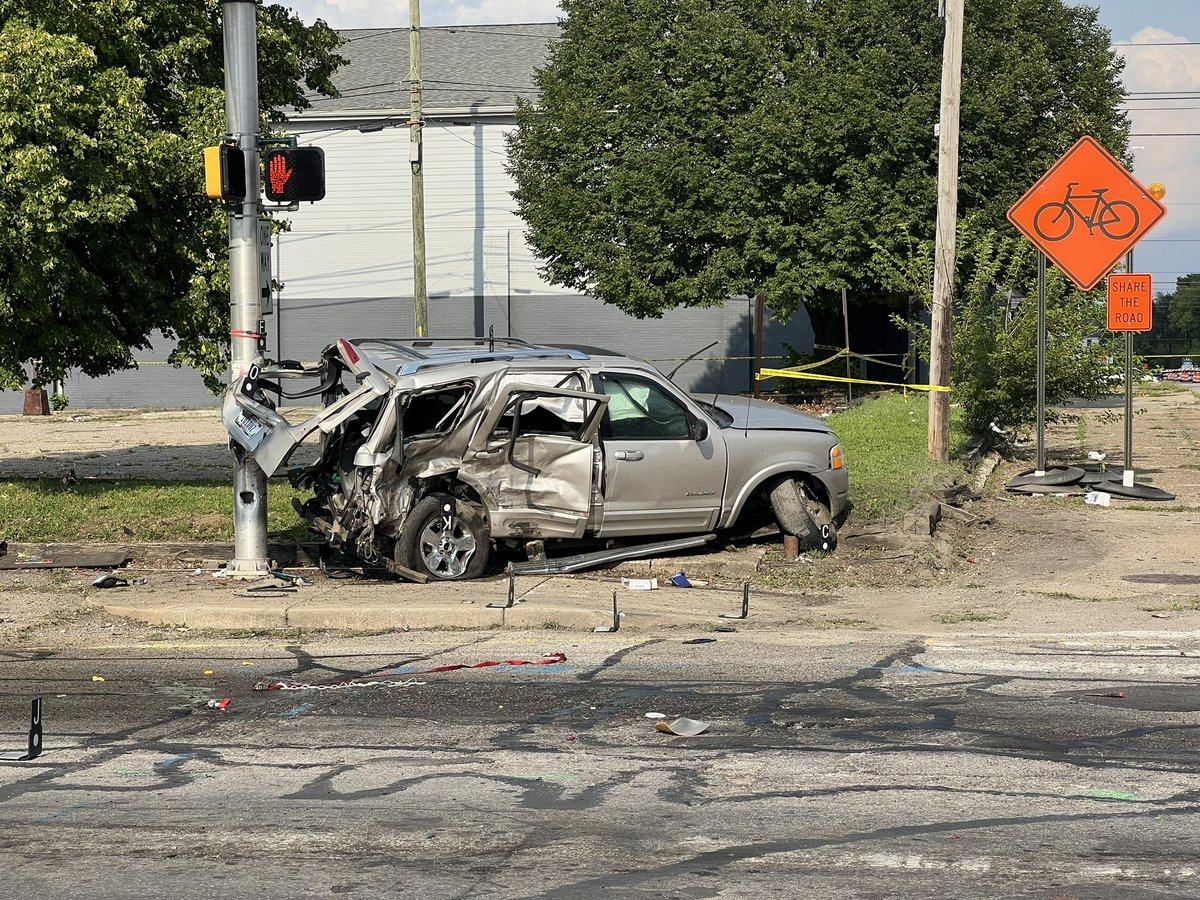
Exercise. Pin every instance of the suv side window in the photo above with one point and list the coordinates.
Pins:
(435, 412)
(640, 409)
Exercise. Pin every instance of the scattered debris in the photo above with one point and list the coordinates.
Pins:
(1097, 498)
(656, 715)
(684, 727)
(680, 579)
(641, 584)
(701, 641)
(923, 519)
(219, 704)
(110, 580)
(725, 629)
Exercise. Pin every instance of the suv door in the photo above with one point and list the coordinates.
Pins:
(533, 458)
(658, 478)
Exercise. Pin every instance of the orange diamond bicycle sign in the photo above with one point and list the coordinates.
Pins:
(1086, 212)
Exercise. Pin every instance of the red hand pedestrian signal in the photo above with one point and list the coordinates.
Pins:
(279, 174)
(295, 173)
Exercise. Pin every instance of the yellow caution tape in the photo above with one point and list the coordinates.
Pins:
(813, 376)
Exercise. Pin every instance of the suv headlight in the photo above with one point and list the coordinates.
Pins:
(836, 459)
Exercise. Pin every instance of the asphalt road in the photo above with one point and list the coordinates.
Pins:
(881, 768)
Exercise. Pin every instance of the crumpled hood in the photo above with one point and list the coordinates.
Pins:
(759, 414)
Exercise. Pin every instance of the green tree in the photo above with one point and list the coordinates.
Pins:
(1183, 311)
(687, 150)
(105, 232)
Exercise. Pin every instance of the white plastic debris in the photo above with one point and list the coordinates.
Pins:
(1097, 456)
(640, 584)
(1098, 498)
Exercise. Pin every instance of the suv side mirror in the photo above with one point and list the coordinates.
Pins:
(699, 429)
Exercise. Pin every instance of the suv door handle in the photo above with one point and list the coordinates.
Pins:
(628, 454)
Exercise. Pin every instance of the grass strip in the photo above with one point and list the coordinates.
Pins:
(43, 510)
(886, 440)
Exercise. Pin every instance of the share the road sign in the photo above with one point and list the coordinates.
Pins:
(1130, 306)
(1086, 213)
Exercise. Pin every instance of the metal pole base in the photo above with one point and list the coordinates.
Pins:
(246, 569)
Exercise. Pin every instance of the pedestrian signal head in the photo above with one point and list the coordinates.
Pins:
(225, 173)
(294, 173)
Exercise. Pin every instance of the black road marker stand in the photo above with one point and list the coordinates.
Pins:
(745, 614)
(616, 622)
(35, 736)
(512, 593)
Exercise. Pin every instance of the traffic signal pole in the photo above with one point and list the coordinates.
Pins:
(240, 29)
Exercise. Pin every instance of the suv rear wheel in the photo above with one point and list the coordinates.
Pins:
(444, 538)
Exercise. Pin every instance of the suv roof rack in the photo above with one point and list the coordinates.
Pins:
(414, 354)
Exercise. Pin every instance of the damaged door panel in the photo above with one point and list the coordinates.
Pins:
(535, 452)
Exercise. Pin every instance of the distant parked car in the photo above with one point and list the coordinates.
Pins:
(433, 452)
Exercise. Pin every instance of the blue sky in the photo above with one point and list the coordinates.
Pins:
(1166, 130)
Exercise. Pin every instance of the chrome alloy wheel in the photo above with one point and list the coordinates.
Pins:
(446, 546)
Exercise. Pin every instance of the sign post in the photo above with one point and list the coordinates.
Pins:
(1130, 310)
(1084, 215)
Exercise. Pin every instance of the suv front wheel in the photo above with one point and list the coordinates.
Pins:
(798, 512)
(444, 538)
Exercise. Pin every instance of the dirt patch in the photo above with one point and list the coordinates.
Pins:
(105, 444)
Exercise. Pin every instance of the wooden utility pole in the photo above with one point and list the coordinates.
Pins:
(947, 221)
(420, 291)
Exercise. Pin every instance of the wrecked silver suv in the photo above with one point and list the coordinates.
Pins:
(436, 454)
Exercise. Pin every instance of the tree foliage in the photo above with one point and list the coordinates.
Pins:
(1183, 310)
(105, 232)
(687, 150)
(994, 352)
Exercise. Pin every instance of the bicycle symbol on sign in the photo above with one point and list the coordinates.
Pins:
(1054, 221)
